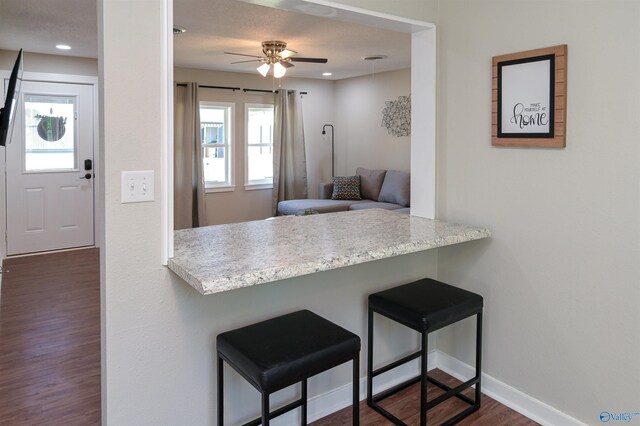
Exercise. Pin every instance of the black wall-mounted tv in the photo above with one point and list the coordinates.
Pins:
(8, 113)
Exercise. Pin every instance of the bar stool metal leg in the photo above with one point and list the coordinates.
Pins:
(370, 358)
(478, 359)
(265, 409)
(303, 409)
(423, 379)
(356, 390)
(220, 392)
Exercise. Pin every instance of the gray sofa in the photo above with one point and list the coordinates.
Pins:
(382, 189)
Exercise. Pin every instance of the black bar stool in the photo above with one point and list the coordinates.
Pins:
(285, 350)
(425, 306)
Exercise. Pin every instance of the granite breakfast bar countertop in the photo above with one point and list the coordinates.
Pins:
(220, 258)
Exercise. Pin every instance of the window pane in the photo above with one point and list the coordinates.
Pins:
(260, 132)
(212, 132)
(260, 125)
(215, 125)
(212, 113)
(260, 163)
(50, 140)
(215, 164)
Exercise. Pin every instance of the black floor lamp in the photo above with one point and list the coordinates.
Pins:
(324, 132)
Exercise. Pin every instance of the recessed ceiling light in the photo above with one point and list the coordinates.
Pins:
(63, 46)
(326, 74)
(317, 10)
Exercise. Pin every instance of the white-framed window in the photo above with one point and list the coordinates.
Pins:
(259, 146)
(216, 133)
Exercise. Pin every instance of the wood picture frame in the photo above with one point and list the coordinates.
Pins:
(529, 98)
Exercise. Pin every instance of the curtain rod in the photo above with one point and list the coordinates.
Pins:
(212, 87)
(266, 91)
(235, 88)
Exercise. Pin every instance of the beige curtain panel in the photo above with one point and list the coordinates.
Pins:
(289, 158)
(188, 200)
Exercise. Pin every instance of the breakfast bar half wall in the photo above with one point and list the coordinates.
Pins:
(327, 263)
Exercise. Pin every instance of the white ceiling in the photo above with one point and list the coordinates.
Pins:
(213, 27)
(38, 25)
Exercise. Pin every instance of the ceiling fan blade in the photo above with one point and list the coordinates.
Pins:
(313, 60)
(287, 53)
(286, 64)
(242, 62)
(242, 54)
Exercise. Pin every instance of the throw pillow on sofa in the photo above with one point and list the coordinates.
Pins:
(346, 188)
(370, 182)
(395, 188)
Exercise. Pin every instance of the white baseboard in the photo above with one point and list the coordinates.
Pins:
(518, 401)
(339, 398)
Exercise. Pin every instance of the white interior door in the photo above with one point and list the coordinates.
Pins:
(50, 178)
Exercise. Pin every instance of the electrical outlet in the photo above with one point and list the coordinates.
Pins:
(137, 186)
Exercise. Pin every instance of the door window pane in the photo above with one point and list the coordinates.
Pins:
(50, 137)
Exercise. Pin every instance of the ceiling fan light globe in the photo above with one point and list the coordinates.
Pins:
(278, 70)
(264, 69)
(286, 53)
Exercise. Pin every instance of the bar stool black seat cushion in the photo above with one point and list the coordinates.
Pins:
(281, 351)
(426, 305)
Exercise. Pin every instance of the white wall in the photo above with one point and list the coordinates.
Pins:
(560, 274)
(158, 333)
(361, 140)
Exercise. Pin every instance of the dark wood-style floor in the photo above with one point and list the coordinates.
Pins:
(405, 405)
(50, 340)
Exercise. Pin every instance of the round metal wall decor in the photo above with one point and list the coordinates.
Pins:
(51, 129)
(396, 116)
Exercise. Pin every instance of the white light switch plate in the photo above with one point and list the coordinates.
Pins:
(137, 186)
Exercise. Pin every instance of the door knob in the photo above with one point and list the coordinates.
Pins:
(87, 176)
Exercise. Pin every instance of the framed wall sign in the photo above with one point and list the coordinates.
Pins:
(529, 98)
